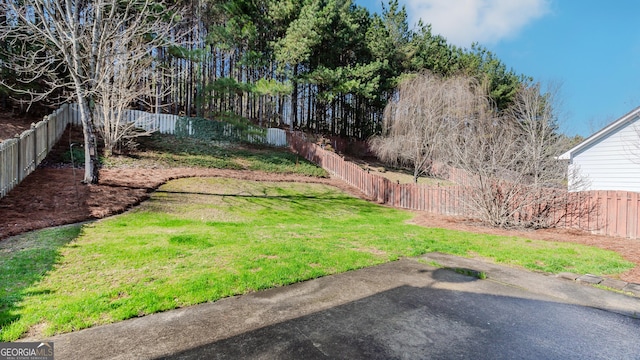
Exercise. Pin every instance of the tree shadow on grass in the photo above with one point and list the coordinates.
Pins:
(321, 197)
(24, 261)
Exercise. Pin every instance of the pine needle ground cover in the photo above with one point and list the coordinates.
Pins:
(202, 239)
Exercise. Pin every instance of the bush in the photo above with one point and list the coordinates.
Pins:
(74, 156)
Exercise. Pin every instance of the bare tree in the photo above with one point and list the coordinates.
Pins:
(536, 114)
(514, 177)
(418, 121)
(85, 47)
(486, 148)
(124, 68)
(506, 161)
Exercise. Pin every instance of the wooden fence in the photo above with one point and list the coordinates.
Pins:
(162, 123)
(611, 213)
(618, 213)
(20, 156)
(444, 200)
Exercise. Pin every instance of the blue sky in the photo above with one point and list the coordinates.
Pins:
(590, 47)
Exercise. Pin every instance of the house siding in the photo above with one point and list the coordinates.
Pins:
(611, 162)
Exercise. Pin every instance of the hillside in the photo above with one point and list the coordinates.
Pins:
(12, 125)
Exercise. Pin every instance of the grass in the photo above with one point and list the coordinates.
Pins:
(399, 175)
(202, 239)
(28, 259)
(405, 177)
(472, 273)
(172, 151)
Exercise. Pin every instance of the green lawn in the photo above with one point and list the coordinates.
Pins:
(171, 151)
(201, 239)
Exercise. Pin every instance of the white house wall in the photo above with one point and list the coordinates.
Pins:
(610, 163)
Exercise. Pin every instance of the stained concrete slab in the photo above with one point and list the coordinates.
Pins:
(568, 276)
(614, 284)
(633, 288)
(590, 279)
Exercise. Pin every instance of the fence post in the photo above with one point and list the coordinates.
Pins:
(35, 145)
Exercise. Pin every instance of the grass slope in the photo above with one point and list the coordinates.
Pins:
(172, 151)
(202, 239)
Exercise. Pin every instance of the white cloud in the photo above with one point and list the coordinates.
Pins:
(463, 22)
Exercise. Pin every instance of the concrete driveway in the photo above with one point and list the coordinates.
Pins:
(401, 310)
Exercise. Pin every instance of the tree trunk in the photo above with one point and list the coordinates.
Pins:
(90, 149)
(261, 111)
(294, 99)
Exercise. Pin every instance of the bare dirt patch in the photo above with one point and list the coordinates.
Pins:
(54, 195)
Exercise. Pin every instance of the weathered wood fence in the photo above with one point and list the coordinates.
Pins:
(20, 156)
(444, 200)
(612, 213)
(618, 214)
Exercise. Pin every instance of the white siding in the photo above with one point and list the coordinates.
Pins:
(611, 162)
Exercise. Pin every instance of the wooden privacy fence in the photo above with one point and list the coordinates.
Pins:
(618, 213)
(446, 200)
(611, 213)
